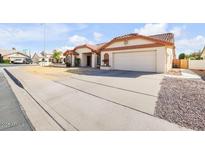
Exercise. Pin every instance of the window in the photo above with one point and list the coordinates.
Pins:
(106, 59)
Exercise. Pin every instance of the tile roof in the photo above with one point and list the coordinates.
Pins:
(94, 48)
(126, 36)
(100, 45)
(70, 52)
(164, 38)
(167, 37)
(7, 52)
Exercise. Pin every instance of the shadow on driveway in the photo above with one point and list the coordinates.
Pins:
(106, 73)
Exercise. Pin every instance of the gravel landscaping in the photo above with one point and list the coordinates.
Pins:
(182, 101)
(200, 73)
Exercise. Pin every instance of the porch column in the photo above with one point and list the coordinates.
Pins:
(73, 60)
(94, 60)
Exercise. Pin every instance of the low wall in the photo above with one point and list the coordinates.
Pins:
(45, 63)
(197, 64)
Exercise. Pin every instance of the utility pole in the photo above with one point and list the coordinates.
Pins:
(44, 41)
(44, 44)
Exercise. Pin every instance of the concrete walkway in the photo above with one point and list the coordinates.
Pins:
(87, 112)
(11, 115)
(186, 73)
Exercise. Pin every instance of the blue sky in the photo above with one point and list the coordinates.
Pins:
(188, 37)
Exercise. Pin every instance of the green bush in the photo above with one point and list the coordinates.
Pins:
(192, 58)
(6, 61)
(77, 62)
(182, 56)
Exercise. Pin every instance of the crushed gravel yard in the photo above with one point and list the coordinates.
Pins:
(182, 101)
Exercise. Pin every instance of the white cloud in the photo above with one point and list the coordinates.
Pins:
(178, 31)
(189, 45)
(182, 43)
(78, 40)
(64, 48)
(97, 36)
(150, 29)
(10, 35)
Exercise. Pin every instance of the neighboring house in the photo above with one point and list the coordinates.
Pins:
(132, 52)
(16, 55)
(37, 58)
(203, 53)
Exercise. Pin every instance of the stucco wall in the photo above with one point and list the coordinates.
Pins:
(169, 58)
(83, 50)
(82, 55)
(129, 43)
(197, 64)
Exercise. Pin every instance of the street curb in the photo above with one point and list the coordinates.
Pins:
(8, 79)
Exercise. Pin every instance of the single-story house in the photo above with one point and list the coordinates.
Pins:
(16, 55)
(132, 52)
(42, 57)
(203, 53)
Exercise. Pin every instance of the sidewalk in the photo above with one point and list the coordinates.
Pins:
(186, 73)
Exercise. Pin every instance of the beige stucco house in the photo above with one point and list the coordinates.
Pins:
(16, 55)
(88, 55)
(203, 53)
(131, 52)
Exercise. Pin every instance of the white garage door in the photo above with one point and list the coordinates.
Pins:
(135, 61)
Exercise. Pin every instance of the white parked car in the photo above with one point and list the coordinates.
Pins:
(22, 61)
(18, 61)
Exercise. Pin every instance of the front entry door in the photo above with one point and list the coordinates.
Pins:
(89, 61)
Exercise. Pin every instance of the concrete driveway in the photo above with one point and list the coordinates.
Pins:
(88, 99)
(136, 90)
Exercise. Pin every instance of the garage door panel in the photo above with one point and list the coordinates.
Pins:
(135, 61)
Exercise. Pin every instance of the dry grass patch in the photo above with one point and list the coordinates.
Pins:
(47, 72)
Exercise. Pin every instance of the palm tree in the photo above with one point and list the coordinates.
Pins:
(56, 55)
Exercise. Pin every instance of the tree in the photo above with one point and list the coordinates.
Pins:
(182, 56)
(195, 55)
(56, 55)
